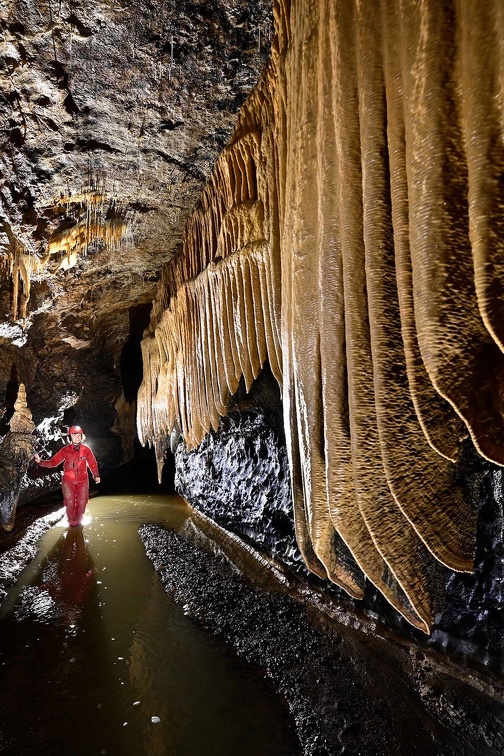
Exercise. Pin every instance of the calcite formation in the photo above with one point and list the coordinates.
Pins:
(222, 296)
(16, 450)
(90, 217)
(351, 235)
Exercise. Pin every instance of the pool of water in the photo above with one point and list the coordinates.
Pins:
(96, 659)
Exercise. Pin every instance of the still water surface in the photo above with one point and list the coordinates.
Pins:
(96, 659)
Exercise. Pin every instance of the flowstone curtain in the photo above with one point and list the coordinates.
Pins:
(352, 235)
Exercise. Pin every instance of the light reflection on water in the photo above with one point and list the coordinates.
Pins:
(95, 659)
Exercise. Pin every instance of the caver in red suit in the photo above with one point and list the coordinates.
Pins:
(76, 458)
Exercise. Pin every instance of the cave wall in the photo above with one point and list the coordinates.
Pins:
(350, 236)
(111, 117)
(239, 476)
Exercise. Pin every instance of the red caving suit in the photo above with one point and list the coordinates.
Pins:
(75, 481)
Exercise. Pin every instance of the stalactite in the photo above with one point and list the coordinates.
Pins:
(350, 234)
(93, 216)
(21, 265)
(124, 425)
(462, 359)
(424, 477)
(96, 216)
(212, 322)
(440, 423)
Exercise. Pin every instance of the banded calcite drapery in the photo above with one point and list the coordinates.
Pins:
(355, 221)
(218, 314)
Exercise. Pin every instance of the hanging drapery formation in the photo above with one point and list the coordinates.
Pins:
(217, 315)
(375, 203)
(21, 265)
(94, 216)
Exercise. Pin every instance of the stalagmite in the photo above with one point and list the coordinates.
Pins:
(16, 450)
(350, 235)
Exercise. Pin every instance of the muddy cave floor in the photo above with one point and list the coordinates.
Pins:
(347, 691)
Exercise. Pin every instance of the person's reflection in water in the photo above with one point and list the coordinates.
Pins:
(70, 576)
(59, 688)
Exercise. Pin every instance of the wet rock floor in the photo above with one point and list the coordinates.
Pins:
(96, 659)
(349, 693)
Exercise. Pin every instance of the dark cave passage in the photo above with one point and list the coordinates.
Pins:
(139, 475)
(131, 355)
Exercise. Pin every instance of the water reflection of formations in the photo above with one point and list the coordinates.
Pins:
(67, 577)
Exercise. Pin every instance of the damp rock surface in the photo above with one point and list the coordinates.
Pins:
(239, 477)
(19, 547)
(347, 693)
(242, 469)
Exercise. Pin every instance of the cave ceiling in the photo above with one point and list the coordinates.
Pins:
(112, 115)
